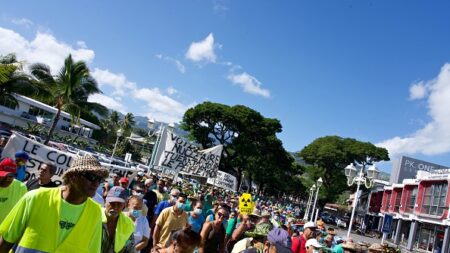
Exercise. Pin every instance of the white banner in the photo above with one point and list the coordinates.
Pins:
(176, 154)
(224, 180)
(39, 153)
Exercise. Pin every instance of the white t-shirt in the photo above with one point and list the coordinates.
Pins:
(141, 229)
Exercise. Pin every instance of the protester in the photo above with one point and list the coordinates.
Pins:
(196, 218)
(280, 241)
(117, 235)
(124, 183)
(142, 228)
(21, 161)
(181, 241)
(313, 246)
(165, 204)
(11, 189)
(213, 233)
(46, 172)
(170, 219)
(375, 248)
(160, 191)
(308, 233)
(67, 216)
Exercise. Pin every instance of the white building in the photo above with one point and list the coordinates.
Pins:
(34, 112)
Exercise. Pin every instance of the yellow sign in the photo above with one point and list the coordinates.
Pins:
(246, 203)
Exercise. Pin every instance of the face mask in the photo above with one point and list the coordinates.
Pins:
(316, 251)
(136, 213)
(180, 206)
(138, 194)
(198, 211)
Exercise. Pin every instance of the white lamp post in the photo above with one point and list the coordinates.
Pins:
(319, 184)
(119, 134)
(308, 205)
(354, 177)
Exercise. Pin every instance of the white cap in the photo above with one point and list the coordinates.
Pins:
(314, 243)
(309, 224)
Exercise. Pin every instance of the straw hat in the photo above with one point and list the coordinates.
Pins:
(376, 247)
(256, 213)
(86, 163)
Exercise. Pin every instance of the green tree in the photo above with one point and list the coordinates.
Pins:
(329, 155)
(13, 80)
(68, 90)
(249, 140)
(127, 123)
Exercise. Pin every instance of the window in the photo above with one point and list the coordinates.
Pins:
(434, 198)
(411, 199)
(387, 200)
(7, 103)
(398, 198)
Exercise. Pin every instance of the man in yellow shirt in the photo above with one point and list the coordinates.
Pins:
(11, 189)
(62, 219)
(170, 219)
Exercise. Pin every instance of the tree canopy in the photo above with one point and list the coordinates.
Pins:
(328, 156)
(249, 140)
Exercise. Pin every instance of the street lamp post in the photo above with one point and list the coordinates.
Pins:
(308, 205)
(319, 184)
(353, 176)
(119, 134)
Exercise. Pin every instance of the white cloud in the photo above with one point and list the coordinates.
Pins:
(249, 83)
(161, 107)
(23, 22)
(109, 102)
(81, 44)
(202, 50)
(220, 6)
(418, 90)
(171, 90)
(43, 48)
(434, 137)
(118, 82)
(177, 63)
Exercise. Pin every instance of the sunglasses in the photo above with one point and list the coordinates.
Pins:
(92, 177)
(222, 215)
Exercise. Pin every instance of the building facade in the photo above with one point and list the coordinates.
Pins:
(30, 111)
(419, 208)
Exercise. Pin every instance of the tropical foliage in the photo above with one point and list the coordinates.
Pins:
(68, 90)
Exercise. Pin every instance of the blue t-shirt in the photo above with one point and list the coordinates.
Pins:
(20, 174)
(161, 206)
(196, 224)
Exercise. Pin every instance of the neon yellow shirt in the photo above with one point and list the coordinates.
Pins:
(9, 196)
(70, 214)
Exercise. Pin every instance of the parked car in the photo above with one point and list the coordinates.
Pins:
(342, 221)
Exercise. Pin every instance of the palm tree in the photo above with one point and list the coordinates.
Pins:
(68, 90)
(13, 80)
(127, 123)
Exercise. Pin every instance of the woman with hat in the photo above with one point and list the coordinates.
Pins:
(70, 220)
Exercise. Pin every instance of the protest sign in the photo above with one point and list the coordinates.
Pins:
(246, 204)
(40, 153)
(176, 154)
(224, 180)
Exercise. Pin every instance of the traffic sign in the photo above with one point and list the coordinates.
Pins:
(387, 224)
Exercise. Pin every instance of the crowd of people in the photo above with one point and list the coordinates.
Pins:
(95, 211)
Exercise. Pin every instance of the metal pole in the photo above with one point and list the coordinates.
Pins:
(315, 202)
(317, 215)
(306, 216)
(358, 179)
(114, 150)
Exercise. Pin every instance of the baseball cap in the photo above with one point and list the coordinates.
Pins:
(23, 155)
(314, 243)
(123, 180)
(309, 224)
(7, 166)
(116, 194)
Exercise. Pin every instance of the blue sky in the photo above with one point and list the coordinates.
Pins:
(371, 70)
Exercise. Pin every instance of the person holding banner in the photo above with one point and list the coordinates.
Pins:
(11, 189)
(70, 220)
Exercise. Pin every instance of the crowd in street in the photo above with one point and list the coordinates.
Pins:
(95, 211)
